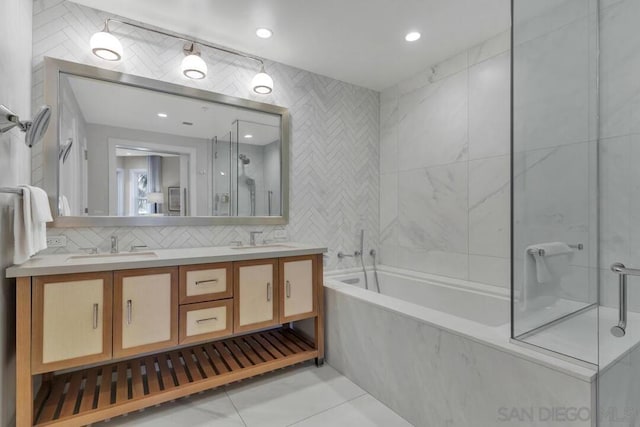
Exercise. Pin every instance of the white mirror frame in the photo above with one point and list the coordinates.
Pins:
(54, 67)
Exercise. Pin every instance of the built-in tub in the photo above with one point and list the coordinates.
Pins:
(437, 351)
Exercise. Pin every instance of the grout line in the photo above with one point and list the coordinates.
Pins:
(236, 409)
(328, 409)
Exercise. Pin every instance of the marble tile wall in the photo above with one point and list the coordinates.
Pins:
(334, 154)
(15, 88)
(444, 167)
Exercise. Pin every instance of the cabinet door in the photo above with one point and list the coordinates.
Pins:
(71, 320)
(255, 294)
(145, 310)
(205, 282)
(297, 288)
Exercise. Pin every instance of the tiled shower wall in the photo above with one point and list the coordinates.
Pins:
(15, 58)
(334, 149)
(444, 167)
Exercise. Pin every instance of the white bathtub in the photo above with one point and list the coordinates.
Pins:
(437, 351)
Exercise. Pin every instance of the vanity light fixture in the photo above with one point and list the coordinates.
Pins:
(412, 36)
(264, 33)
(193, 66)
(248, 136)
(106, 46)
(163, 115)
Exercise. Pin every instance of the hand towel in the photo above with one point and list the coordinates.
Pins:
(63, 205)
(31, 215)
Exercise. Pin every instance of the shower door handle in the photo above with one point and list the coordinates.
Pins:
(620, 329)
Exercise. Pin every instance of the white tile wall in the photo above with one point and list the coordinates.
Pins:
(334, 153)
(444, 163)
(15, 61)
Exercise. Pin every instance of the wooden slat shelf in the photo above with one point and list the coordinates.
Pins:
(94, 394)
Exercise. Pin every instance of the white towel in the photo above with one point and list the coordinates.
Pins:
(555, 261)
(31, 214)
(63, 206)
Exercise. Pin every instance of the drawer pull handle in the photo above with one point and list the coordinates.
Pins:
(95, 316)
(269, 291)
(202, 282)
(206, 320)
(129, 311)
(288, 289)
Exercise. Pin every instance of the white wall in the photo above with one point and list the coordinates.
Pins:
(444, 164)
(15, 92)
(334, 145)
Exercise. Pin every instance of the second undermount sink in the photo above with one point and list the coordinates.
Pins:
(122, 256)
(273, 245)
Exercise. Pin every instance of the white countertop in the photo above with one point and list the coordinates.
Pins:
(81, 263)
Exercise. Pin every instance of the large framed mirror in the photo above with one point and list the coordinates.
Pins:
(125, 150)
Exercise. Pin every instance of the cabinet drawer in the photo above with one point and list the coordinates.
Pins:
(205, 282)
(207, 320)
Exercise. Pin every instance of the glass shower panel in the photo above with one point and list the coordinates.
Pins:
(555, 172)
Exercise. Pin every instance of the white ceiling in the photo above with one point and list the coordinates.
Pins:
(356, 41)
(112, 104)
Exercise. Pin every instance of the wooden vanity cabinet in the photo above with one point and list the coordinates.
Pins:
(145, 315)
(205, 282)
(255, 294)
(298, 288)
(71, 320)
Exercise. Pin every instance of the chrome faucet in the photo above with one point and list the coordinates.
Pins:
(252, 237)
(135, 248)
(114, 244)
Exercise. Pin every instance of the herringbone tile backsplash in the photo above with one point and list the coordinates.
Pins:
(334, 146)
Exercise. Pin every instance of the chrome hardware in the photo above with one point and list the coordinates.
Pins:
(92, 251)
(354, 255)
(95, 316)
(252, 237)
(236, 243)
(135, 248)
(206, 319)
(620, 329)
(288, 287)
(201, 282)
(540, 252)
(129, 311)
(114, 244)
(269, 291)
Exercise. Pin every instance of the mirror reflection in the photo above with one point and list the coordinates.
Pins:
(149, 153)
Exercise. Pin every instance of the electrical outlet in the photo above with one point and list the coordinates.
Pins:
(280, 234)
(56, 241)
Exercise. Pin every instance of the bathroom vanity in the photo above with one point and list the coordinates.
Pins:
(113, 333)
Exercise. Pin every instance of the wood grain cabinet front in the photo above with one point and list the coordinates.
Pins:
(145, 314)
(298, 288)
(205, 282)
(255, 294)
(71, 320)
(206, 320)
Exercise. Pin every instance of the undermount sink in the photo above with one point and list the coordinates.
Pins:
(274, 245)
(122, 256)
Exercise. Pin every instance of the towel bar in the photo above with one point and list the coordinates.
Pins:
(532, 251)
(11, 190)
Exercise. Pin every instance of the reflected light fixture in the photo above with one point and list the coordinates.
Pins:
(105, 45)
(412, 36)
(163, 115)
(193, 66)
(248, 136)
(262, 83)
(264, 33)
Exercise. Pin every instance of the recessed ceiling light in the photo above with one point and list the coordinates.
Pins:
(248, 136)
(412, 36)
(264, 33)
(163, 115)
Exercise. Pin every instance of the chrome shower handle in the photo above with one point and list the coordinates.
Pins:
(620, 329)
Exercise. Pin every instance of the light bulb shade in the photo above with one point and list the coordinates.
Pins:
(106, 46)
(262, 83)
(194, 67)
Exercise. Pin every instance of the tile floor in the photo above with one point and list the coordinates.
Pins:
(301, 396)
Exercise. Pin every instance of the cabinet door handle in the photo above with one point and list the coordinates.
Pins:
(202, 282)
(288, 287)
(129, 311)
(95, 316)
(268, 291)
(206, 319)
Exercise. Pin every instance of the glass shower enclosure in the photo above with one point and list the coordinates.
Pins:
(575, 198)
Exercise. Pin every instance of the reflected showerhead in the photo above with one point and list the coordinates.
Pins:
(34, 130)
(245, 159)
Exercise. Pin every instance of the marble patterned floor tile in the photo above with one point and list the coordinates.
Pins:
(286, 397)
(364, 411)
